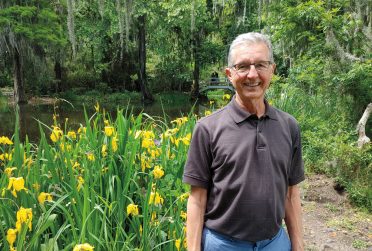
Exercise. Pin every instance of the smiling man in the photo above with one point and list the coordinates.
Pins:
(244, 164)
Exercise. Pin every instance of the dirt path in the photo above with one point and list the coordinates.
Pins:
(330, 223)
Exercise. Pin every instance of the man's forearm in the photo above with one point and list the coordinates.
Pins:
(293, 218)
(195, 219)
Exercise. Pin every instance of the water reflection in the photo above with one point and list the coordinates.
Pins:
(30, 115)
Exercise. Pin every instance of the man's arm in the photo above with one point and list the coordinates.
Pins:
(195, 217)
(293, 218)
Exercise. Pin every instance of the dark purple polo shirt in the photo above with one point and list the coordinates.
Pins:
(246, 164)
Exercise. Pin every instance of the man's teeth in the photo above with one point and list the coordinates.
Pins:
(251, 84)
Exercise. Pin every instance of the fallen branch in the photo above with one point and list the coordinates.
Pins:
(361, 127)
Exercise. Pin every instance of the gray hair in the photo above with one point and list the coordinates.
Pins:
(249, 39)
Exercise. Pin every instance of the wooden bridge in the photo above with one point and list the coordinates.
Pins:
(216, 83)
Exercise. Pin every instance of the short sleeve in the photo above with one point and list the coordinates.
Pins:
(297, 173)
(199, 158)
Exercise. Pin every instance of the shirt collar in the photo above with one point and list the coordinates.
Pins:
(238, 114)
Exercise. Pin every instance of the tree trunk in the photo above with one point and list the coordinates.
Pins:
(196, 48)
(142, 78)
(361, 127)
(19, 90)
(58, 74)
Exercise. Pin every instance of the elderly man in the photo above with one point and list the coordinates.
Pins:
(244, 164)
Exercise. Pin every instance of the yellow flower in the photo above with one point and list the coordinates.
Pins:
(114, 143)
(5, 141)
(147, 143)
(226, 97)
(211, 102)
(158, 172)
(175, 141)
(109, 131)
(153, 216)
(56, 134)
(132, 209)
(90, 156)
(11, 236)
(71, 134)
(180, 121)
(148, 134)
(183, 215)
(156, 199)
(44, 197)
(104, 150)
(184, 196)
(186, 139)
(76, 165)
(155, 153)
(18, 184)
(83, 247)
(178, 244)
(9, 171)
(169, 132)
(24, 215)
(36, 186)
(145, 163)
(82, 130)
(80, 183)
(207, 112)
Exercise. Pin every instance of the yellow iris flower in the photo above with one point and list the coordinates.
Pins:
(11, 236)
(109, 131)
(132, 209)
(24, 215)
(156, 199)
(5, 141)
(17, 184)
(44, 197)
(83, 247)
(71, 134)
(56, 134)
(158, 172)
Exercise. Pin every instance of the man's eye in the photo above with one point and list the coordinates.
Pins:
(243, 67)
(260, 65)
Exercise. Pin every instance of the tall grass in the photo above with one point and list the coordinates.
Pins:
(115, 185)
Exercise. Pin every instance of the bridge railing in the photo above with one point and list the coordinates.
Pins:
(216, 81)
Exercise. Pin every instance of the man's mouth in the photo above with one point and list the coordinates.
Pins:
(252, 84)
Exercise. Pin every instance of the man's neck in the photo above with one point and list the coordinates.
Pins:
(253, 106)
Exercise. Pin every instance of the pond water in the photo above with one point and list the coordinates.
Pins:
(31, 115)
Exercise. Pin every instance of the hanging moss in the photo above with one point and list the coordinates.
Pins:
(71, 25)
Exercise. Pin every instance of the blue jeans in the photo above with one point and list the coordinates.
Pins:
(213, 241)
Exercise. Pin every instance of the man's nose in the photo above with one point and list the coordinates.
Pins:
(252, 72)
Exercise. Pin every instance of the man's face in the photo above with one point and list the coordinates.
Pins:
(250, 85)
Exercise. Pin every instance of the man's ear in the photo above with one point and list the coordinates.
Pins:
(274, 68)
(228, 73)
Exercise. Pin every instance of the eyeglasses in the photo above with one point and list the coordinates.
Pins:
(261, 66)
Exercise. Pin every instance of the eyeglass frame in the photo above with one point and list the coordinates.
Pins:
(255, 67)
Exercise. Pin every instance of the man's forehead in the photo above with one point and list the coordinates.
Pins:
(250, 49)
